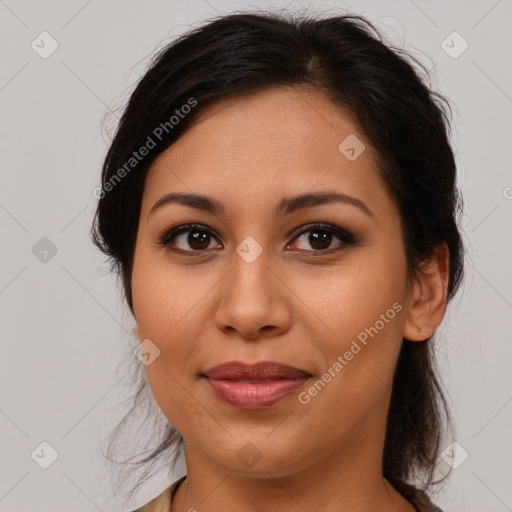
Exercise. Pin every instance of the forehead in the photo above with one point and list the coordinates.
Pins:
(282, 141)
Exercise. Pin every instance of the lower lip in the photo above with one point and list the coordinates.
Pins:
(253, 396)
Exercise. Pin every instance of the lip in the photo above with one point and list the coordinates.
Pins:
(263, 370)
(257, 386)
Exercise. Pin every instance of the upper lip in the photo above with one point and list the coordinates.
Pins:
(263, 370)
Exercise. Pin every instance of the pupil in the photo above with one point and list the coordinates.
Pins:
(318, 241)
(198, 237)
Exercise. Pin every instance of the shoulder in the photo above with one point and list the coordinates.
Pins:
(162, 502)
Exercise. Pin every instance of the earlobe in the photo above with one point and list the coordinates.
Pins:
(428, 297)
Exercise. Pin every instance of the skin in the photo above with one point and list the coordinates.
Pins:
(295, 304)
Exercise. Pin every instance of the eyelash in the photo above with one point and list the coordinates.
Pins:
(346, 237)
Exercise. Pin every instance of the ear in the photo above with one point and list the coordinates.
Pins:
(428, 297)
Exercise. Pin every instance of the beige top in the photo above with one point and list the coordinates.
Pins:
(162, 503)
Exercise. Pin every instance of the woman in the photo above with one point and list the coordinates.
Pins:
(280, 203)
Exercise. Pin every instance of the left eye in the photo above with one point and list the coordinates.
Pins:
(199, 238)
(320, 236)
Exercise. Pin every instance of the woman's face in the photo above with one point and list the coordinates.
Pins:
(245, 286)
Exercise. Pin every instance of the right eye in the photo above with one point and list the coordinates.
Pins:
(196, 236)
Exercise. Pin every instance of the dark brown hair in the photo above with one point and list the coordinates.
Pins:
(345, 58)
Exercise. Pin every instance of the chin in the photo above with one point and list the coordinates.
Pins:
(258, 457)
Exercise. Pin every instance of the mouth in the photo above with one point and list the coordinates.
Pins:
(253, 387)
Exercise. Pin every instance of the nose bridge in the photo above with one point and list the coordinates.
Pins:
(250, 272)
(251, 298)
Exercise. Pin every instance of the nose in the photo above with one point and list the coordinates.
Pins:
(253, 300)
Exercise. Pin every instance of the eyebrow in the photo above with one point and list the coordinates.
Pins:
(287, 206)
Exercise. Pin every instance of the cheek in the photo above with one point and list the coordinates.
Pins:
(163, 295)
(360, 311)
(346, 298)
(169, 310)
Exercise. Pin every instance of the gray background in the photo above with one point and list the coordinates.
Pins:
(64, 328)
